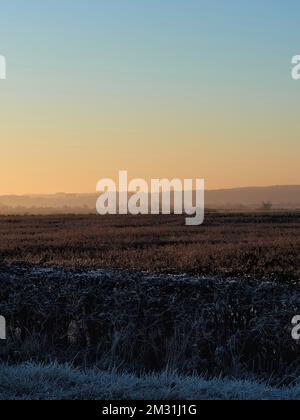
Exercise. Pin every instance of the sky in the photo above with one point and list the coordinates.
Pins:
(172, 88)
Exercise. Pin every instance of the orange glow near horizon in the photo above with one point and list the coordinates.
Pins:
(72, 154)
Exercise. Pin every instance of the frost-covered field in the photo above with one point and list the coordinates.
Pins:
(142, 323)
(38, 382)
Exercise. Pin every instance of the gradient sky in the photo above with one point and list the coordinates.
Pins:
(174, 88)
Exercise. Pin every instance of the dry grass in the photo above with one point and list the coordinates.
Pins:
(55, 382)
(145, 322)
(260, 245)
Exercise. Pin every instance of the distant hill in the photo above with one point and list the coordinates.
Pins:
(282, 197)
(279, 196)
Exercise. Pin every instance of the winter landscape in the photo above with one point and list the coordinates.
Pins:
(146, 308)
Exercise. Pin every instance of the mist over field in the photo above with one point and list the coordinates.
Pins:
(281, 197)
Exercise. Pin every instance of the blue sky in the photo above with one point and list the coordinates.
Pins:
(152, 40)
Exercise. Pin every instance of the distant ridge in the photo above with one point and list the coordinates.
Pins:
(281, 197)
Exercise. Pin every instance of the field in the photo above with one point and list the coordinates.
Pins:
(259, 245)
(131, 296)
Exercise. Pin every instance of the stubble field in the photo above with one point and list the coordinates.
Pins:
(249, 244)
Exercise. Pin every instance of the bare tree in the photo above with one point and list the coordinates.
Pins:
(266, 206)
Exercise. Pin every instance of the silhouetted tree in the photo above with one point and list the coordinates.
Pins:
(266, 206)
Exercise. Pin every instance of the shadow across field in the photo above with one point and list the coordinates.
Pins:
(139, 322)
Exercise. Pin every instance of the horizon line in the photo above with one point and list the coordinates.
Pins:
(95, 192)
